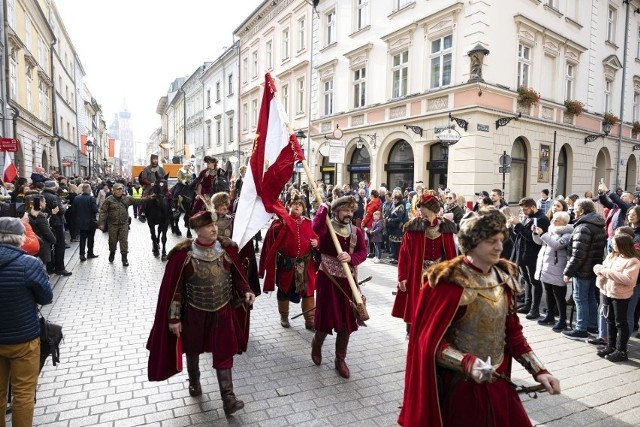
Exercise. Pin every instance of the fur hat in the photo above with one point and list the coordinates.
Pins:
(210, 159)
(430, 202)
(344, 202)
(478, 226)
(51, 184)
(10, 225)
(220, 198)
(297, 197)
(201, 219)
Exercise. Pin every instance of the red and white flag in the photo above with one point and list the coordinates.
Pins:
(275, 151)
(10, 171)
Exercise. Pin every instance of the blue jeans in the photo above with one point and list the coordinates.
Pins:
(632, 306)
(586, 304)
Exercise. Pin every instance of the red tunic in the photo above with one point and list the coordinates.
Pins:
(417, 247)
(291, 237)
(204, 187)
(332, 308)
(467, 403)
(162, 342)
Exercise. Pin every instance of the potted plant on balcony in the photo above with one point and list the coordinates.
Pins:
(610, 119)
(527, 96)
(573, 107)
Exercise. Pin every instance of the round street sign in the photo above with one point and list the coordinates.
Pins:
(449, 136)
(505, 160)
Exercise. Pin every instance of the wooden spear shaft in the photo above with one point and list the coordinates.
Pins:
(357, 297)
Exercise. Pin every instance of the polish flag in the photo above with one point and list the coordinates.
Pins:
(10, 171)
(275, 151)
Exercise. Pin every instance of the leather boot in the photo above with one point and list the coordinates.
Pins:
(342, 341)
(283, 309)
(309, 316)
(230, 403)
(316, 347)
(125, 261)
(193, 369)
(112, 256)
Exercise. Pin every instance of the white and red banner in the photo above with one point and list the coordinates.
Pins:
(275, 151)
(10, 171)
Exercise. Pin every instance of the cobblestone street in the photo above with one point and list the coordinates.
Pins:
(107, 311)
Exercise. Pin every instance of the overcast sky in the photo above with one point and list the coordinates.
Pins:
(131, 50)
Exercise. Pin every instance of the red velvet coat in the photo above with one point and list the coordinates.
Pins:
(287, 237)
(415, 248)
(162, 342)
(468, 403)
(375, 205)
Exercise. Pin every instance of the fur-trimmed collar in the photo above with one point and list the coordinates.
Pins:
(420, 224)
(563, 229)
(450, 271)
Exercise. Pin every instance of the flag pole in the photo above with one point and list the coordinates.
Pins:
(360, 307)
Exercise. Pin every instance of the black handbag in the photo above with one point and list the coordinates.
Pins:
(50, 338)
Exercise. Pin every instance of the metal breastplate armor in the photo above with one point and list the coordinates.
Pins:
(210, 286)
(481, 330)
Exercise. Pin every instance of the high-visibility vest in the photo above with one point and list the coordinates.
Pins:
(136, 193)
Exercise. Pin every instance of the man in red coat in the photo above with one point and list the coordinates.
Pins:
(287, 260)
(333, 293)
(465, 334)
(194, 313)
(427, 240)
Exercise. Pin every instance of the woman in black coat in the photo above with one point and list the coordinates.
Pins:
(40, 224)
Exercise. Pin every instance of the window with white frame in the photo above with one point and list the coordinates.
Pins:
(218, 132)
(302, 34)
(208, 98)
(42, 57)
(285, 45)
(553, 4)
(359, 87)
(268, 55)
(608, 86)
(441, 61)
(11, 13)
(611, 24)
(218, 91)
(29, 91)
(569, 79)
(245, 117)
(524, 64)
(300, 96)
(400, 73)
(330, 27)
(362, 14)
(230, 128)
(43, 102)
(328, 97)
(13, 73)
(254, 64)
(638, 44)
(230, 84)
(285, 98)
(28, 26)
(636, 99)
(399, 4)
(208, 135)
(245, 69)
(254, 113)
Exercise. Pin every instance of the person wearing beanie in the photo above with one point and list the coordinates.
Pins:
(427, 240)
(56, 210)
(334, 294)
(23, 285)
(114, 214)
(469, 297)
(203, 292)
(287, 261)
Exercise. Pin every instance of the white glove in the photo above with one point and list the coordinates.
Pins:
(482, 371)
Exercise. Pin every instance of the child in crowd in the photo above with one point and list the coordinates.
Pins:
(616, 278)
(375, 235)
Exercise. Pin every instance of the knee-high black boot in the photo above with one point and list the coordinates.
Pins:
(193, 369)
(230, 403)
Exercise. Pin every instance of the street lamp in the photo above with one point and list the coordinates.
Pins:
(89, 145)
(104, 165)
(300, 135)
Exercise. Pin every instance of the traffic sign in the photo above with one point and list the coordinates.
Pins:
(505, 160)
(505, 169)
(9, 144)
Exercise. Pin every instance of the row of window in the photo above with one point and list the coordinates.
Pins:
(218, 136)
(218, 90)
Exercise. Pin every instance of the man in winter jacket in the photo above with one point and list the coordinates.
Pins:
(86, 221)
(114, 213)
(527, 254)
(56, 210)
(585, 250)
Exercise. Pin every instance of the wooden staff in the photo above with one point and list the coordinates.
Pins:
(360, 307)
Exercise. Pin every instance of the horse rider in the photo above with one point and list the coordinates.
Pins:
(185, 178)
(150, 174)
(205, 183)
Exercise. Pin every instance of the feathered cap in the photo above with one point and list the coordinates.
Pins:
(344, 202)
(220, 199)
(297, 197)
(478, 226)
(201, 219)
(430, 202)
